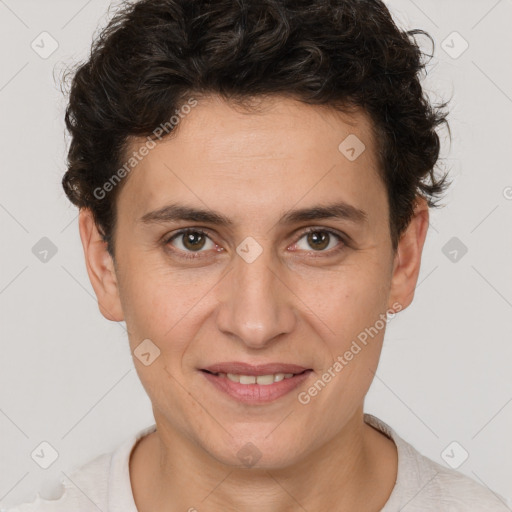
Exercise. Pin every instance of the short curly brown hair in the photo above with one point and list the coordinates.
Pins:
(340, 53)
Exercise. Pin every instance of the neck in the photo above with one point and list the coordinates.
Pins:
(356, 470)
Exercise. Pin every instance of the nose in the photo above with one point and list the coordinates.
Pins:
(256, 304)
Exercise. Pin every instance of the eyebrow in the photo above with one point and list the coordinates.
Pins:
(176, 212)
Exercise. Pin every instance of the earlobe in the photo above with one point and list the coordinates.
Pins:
(100, 267)
(408, 256)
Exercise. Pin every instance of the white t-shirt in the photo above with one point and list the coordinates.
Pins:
(422, 484)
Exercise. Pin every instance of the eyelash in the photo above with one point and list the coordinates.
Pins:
(194, 255)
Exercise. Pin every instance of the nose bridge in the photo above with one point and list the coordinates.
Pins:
(254, 305)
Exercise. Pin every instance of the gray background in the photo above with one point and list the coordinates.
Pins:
(66, 374)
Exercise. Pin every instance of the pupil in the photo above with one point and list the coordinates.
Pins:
(313, 239)
(189, 239)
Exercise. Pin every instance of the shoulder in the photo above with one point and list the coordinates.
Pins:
(453, 491)
(103, 483)
(423, 484)
(85, 490)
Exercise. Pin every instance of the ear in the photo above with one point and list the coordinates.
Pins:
(406, 267)
(100, 267)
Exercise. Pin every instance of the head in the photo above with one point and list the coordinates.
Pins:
(296, 145)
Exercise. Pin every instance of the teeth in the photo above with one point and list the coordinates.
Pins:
(264, 380)
(248, 379)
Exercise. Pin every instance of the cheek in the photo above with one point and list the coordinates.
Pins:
(167, 308)
(351, 323)
(347, 299)
(153, 296)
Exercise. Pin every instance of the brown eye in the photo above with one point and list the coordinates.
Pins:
(320, 240)
(191, 240)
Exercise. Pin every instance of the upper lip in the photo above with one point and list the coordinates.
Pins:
(239, 368)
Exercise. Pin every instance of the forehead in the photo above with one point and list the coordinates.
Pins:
(224, 155)
(277, 127)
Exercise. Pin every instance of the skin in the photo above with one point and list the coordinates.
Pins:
(295, 303)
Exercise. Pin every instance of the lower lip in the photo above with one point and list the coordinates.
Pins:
(256, 393)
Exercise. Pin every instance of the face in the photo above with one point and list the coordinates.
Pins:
(276, 282)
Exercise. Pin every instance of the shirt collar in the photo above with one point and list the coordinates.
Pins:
(120, 493)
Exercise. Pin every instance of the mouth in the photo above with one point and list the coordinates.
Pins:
(255, 384)
(263, 380)
(240, 368)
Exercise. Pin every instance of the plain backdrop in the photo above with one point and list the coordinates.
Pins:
(66, 374)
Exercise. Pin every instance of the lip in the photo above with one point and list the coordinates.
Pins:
(240, 368)
(255, 394)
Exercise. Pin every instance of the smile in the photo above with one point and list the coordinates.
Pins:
(256, 389)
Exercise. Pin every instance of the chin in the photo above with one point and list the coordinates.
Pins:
(256, 453)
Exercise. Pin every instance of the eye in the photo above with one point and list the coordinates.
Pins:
(190, 241)
(321, 240)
